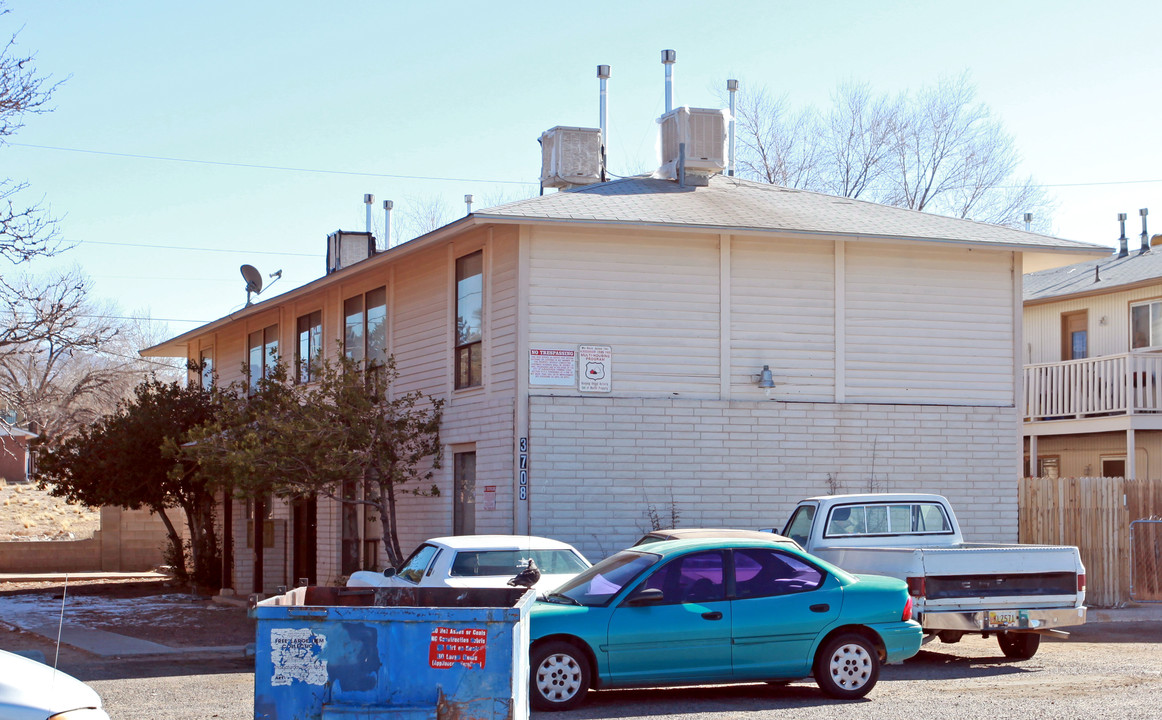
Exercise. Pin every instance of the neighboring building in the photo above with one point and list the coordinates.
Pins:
(1093, 379)
(602, 355)
(15, 456)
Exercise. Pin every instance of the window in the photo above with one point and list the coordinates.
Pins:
(365, 328)
(762, 573)
(800, 524)
(350, 539)
(206, 363)
(309, 350)
(414, 567)
(885, 519)
(469, 312)
(1146, 325)
(262, 355)
(1113, 466)
(693, 578)
(489, 563)
(464, 493)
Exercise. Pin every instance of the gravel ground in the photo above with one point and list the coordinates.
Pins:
(1108, 671)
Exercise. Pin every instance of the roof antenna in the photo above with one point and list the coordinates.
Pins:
(253, 280)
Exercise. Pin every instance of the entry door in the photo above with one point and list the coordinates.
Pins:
(305, 540)
(1075, 335)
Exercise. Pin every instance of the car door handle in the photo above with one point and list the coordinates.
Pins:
(712, 615)
(821, 607)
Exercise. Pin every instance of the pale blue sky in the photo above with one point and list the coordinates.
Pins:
(463, 90)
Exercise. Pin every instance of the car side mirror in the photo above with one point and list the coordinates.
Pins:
(652, 596)
(390, 572)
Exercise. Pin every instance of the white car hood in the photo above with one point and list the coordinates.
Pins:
(32, 691)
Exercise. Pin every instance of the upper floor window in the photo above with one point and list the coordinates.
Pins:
(262, 354)
(206, 363)
(310, 346)
(469, 313)
(1146, 325)
(365, 328)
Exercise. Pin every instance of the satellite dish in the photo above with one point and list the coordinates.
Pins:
(253, 279)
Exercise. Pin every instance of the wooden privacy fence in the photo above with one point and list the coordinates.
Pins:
(1095, 515)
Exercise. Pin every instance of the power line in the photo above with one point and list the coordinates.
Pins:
(256, 166)
(197, 249)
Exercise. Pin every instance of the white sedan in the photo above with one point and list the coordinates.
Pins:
(30, 690)
(479, 561)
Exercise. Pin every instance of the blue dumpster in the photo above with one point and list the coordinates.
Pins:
(325, 653)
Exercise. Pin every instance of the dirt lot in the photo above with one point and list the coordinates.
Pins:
(27, 513)
(160, 611)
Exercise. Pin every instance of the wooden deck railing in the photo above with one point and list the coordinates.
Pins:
(1111, 385)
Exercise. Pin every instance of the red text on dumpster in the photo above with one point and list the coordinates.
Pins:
(450, 646)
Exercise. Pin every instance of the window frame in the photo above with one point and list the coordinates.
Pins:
(206, 364)
(305, 370)
(1154, 315)
(365, 356)
(463, 494)
(913, 505)
(468, 349)
(268, 357)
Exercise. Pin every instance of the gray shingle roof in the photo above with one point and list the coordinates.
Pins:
(735, 204)
(1111, 272)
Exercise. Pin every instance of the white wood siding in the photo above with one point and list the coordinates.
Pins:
(421, 331)
(928, 325)
(654, 299)
(783, 315)
(503, 310)
(1109, 324)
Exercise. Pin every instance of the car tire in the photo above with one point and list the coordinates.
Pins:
(847, 666)
(1019, 646)
(559, 676)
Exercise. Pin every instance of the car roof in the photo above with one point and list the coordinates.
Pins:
(690, 533)
(500, 542)
(674, 547)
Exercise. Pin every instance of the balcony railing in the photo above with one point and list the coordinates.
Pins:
(1111, 385)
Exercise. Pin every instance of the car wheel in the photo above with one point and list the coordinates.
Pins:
(847, 666)
(1019, 646)
(560, 676)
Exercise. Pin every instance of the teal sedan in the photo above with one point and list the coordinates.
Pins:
(684, 612)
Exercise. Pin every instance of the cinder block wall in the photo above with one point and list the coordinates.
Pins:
(599, 464)
(128, 541)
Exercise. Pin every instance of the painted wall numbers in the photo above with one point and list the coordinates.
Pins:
(522, 461)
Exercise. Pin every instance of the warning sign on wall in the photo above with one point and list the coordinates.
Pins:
(596, 363)
(465, 646)
(552, 367)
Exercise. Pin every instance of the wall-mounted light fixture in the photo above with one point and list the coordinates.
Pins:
(764, 378)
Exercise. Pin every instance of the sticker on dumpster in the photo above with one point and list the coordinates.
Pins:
(295, 656)
(450, 646)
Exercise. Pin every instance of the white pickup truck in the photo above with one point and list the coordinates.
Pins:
(1016, 592)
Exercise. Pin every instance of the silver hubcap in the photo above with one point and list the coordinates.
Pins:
(558, 677)
(851, 666)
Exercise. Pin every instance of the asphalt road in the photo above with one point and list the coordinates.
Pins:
(1106, 670)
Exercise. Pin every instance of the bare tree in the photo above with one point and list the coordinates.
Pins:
(421, 215)
(857, 140)
(75, 366)
(26, 231)
(776, 144)
(937, 150)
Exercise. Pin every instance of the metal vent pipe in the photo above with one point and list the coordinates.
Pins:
(387, 207)
(1123, 250)
(1145, 237)
(367, 200)
(1028, 221)
(732, 88)
(603, 76)
(669, 57)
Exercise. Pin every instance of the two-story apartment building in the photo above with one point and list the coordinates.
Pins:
(1092, 403)
(718, 352)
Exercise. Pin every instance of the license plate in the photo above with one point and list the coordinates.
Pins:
(1004, 618)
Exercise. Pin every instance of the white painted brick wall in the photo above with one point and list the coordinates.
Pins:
(596, 464)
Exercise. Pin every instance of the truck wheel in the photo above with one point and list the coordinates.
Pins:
(560, 676)
(847, 666)
(1019, 646)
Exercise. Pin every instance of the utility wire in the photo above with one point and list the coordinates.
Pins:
(198, 249)
(257, 166)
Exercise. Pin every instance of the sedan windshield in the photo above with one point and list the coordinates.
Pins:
(596, 586)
